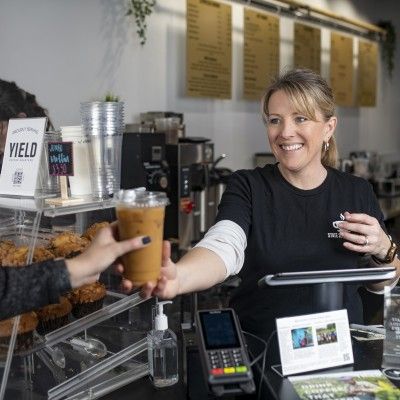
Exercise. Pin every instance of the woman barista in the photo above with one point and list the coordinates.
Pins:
(283, 217)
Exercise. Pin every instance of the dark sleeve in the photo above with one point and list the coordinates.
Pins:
(236, 204)
(24, 289)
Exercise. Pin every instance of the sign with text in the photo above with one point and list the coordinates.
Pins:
(208, 49)
(342, 69)
(60, 156)
(355, 385)
(22, 156)
(367, 73)
(307, 47)
(261, 52)
(314, 341)
(391, 344)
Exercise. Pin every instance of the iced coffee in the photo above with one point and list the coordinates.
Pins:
(141, 213)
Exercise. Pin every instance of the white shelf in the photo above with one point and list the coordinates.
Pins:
(87, 205)
(39, 205)
(22, 203)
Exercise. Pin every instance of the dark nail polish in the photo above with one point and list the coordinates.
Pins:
(146, 240)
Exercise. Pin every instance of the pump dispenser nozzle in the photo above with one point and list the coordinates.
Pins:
(160, 320)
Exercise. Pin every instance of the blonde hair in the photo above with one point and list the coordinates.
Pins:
(308, 92)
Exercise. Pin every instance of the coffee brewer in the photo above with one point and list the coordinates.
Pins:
(143, 160)
(192, 209)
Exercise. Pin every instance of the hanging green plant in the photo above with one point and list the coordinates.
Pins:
(141, 9)
(388, 45)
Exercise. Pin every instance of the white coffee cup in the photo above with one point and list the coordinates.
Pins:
(79, 183)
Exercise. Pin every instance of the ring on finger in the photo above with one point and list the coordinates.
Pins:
(366, 241)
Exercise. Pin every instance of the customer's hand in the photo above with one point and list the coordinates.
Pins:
(102, 252)
(167, 286)
(363, 234)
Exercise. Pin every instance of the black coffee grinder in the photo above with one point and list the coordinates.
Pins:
(143, 161)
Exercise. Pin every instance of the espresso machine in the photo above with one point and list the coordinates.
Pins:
(169, 122)
(143, 161)
(192, 209)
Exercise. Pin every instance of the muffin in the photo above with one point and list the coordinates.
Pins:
(68, 244)
(87, 299)
(5, 247)
(24, 341)
(53, 316)
(18, 256)
(91, 232)
(42, 254)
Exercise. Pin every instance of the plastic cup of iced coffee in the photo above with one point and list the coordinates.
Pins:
(141, 213)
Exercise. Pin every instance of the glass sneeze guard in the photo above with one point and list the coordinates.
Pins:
(84, 376)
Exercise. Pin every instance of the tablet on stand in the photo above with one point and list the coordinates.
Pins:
(328, 284)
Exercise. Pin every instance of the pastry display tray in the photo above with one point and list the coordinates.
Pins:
(22, 235)
(124, 358)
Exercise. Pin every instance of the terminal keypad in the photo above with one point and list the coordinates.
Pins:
(229, 361)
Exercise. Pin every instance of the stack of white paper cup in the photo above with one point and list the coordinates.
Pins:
(79, 183)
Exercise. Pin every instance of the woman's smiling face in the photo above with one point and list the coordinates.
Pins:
(295, 139)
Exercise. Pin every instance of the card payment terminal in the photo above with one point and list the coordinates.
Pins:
(223, 353)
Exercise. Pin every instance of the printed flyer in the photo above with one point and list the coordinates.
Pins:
(314, 341)
(22, 156)
(352, 385)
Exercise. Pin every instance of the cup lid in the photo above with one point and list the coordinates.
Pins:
(140, 197)
(71, 130)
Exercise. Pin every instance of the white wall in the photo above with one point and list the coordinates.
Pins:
(68, 51)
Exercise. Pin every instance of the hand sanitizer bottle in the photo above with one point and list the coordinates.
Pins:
(162, 350)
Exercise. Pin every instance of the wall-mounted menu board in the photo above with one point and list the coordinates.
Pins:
(367, 71)
(261, 52)
(208, 49)
(307, 47)
(342, 68)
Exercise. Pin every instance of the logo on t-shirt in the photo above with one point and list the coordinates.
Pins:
(336, 225)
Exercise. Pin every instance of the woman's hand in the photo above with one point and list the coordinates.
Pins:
(102, 252)
(167, 286)
(363, 234)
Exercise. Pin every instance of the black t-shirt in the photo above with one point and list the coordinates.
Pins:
(290, 229)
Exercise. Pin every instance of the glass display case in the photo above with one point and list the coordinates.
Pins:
(89, 356)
